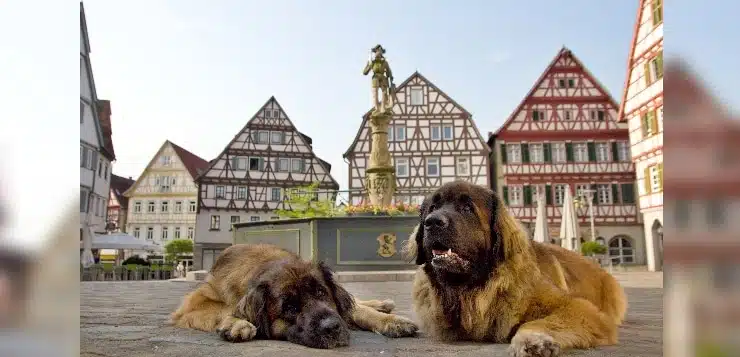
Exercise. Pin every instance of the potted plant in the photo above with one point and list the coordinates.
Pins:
(592, 249)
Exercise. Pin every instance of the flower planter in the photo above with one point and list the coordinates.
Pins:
(368, 214)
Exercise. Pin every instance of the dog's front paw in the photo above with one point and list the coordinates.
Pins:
(398, 326)
(233, 329)
(387, 306)
(533, 344)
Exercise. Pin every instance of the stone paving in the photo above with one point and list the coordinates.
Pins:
(130, 319)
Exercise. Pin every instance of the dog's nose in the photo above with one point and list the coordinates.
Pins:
(329, 325)
(435, 220)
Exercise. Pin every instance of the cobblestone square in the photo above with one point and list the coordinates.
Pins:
(130, 319)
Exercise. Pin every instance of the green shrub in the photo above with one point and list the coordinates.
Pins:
(135, 259)
(592, 248)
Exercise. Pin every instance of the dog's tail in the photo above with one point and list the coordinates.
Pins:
(613, 298)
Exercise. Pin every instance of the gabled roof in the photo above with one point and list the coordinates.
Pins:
(91, 78)
(309, 142)
(104, 114)
(630, 60)
(564, 52)
(193, 163)
(429, 83)
(119, 185)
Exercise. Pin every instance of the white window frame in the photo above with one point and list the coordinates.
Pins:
(602, 152)
(604, 193)
(416, 96)
(437, 137)
(514, 153)
(451, 128)
(178, 206)
(165, 234)
(398, 133)
(166, 160)
(279, 194)
(216, 190)
(149, 233)
(623, 151)
(164, 206)
(176, 234)
(516, 195)
(137, 206)
(402, 162)
(559, 153)
(192, 206)
(151, 207)
(191, 233)
(465, 163)
(429, 161)
(536, 153)
(580, 152)
(283, 164)
(137, 232)
(241, 192)
(559, 194)
(293, 165)
(215, 222)
(279, 137)
(263, 137)
(580, 190)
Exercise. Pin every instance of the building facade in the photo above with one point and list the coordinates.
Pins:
(162, 203)
(642, 110)
(118, 203)
(252, 177)
(565, 135)
(96, 145)
(432, 140)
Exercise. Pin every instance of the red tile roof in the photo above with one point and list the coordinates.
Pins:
(104, 113)
(192, 162)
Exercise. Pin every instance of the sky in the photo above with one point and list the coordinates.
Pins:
(195, 72)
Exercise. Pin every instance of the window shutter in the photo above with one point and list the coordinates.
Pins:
(646, 73)
(525, 153)
(601, 115)
(547, 149)
(648, 189)
(253, 134)
(645, 125)
(591, 151)
(94, 162)
(569, 152)
(283, 138)
(234, 163)
(535, 115)
(595, 190)
(505, 193)
(615, 151)
(503, 154)
(628, 193)
(653, 122)
(261, 164)
(527, 195)
(659, 65)
(548, 194)
(660, 175)
(302, 165)
(615, 193)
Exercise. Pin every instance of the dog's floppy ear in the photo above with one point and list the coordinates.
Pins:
(253, 308)
(507, 236)
(421, 255)
(344, 301)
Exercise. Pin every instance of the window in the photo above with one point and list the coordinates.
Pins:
(83, 200)
(716, 213)
(215, 222)
(561, 83)
(514, 153)
(538, 115)
(581, 190)
(649, 121)
(567, 115)
(623, 151)
(515, 195)
(402, 167)
(191, 232)
(275, 194)
(276, 137)
(283, 165)
(558, 152)
(268, 113)
(137, 207)
(234, 219)
(256, 164)
(536, 153)
(263, 136)
(100, 167)
(254, 218)
(276, 113)
(165, 183)
(192, 207)
(296, 165)
(447, 132)
(657, 9)
(220, 192)
(604, 193)
(166, 160)
(137, 232)
(463, 166)
(656, 184)
(178, 206)
(581, 152)
(164, 206)
(150, 207)
(571, 83)
(559, 194)
(602, 152)
(165, 233)
(105, 173)
(417, 96)
(82, 111)
(620, 250)
(238, 163)
(397, 133)
(435, 132)
(653, 69)
(149, 233)
(241, 193)
(432, 166)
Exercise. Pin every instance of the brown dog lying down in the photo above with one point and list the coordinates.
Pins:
(262, 291)
(480, 278)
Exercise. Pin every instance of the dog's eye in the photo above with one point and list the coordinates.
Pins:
(290, 308)
(467, 207)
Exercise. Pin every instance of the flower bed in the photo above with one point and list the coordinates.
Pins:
(400, 209)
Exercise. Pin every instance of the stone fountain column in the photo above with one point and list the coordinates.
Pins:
(380, 178)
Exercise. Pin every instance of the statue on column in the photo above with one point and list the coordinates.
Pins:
(382, 80)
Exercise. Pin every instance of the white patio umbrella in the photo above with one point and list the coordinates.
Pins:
(541, 233)
(87, 258)
(122, 241)
(569, 224)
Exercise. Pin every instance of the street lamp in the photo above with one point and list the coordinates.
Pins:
(588, 195)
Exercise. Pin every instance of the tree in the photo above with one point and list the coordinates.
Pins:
(304, 202)
(177, 247)
(591, 248)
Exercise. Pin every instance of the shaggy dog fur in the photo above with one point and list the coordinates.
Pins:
(481, 279)
(262, 291)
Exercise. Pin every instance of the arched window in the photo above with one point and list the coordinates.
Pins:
(621, 250)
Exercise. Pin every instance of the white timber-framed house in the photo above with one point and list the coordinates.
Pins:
(96, 146)
(163, 201)
(252, 177)
(432, 140)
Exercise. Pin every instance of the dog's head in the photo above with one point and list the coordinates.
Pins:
(464, 233)
(300, 302)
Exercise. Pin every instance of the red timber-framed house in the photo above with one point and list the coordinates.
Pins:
(642, 110)
(251, 179)
(565, 135)
(432, 140)
(118, 203)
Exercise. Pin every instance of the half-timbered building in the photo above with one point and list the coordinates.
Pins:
(565, 135)
(118, 203)
(432, 140)
(252, 177)
(642, 110)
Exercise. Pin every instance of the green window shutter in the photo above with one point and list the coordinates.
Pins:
(653, 117)
(628, 193)
(547, 149)
(659, 65)
(591, 151)
(615, 151)
(503, 154)
(527, 195)
(525, 153)
(660, 175)
(615, 193)
(601, 115)
(645, 125)
(569, 157)
(505, 193)
(648, 189)
(548, 194)
(596, 195)
(646, 73)
(535, 115)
